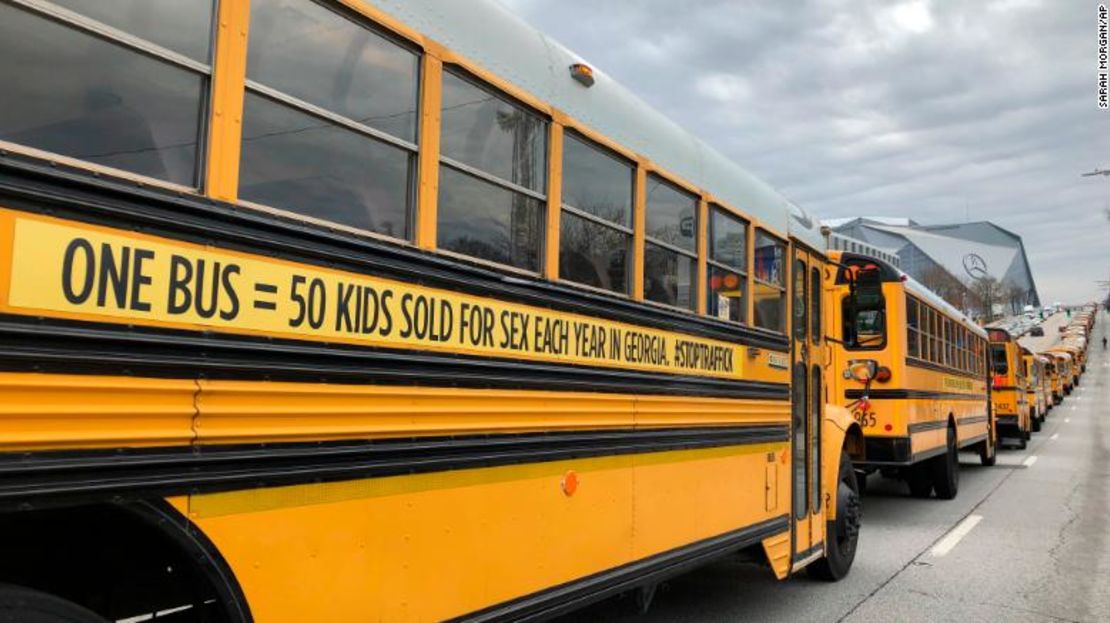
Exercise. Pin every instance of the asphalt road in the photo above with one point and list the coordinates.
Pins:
(1037, 548)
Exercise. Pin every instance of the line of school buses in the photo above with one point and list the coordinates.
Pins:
(925, 381)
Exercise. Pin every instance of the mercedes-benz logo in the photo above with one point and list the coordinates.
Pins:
(975, 266)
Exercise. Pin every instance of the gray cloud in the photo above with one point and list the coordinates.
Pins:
(937, 110)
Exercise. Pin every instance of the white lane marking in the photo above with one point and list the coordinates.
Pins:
(1028, 462)
(154, 615)
(953, 538)
(1066, 420)
(1054, 436)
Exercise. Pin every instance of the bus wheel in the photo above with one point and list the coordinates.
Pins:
(28, 606)
(946, 470)
(1036, 422)
(988, 451)
(842, 533)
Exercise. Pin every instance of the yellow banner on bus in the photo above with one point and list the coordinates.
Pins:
(79, 271)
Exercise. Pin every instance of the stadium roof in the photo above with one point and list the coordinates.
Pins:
(966, 251)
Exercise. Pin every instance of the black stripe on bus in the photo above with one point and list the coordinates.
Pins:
(910, 394)
(894, 451)
(96, 474)
(920, 427)
(551, 602)
(61, 346)
(971, 441)
(65, 192)
(936, 367)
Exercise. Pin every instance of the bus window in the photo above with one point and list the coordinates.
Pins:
(799, 304)
(670, 251)
(799, 451)
(329, 123)
(912, 331)
(865, 313)
(595, 239)
(770, 282)
(492, 184)
(998, 359)
(96, 98)
(815, 305)
(728, 263)
(815, 433)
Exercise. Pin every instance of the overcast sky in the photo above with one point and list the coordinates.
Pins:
(939, 111)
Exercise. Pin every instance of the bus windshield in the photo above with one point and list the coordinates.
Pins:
(864, 328)
(998, 359)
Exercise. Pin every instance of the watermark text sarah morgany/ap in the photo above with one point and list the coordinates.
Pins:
(1103, 57)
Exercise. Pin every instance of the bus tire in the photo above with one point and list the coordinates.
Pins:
(1023, 442)
(840, 549)
(30, 606)
(946, 469)
(1036, 422)
(988, 451)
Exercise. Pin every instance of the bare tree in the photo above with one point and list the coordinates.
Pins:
(1014, 296)
(946, 286)
(986, 292)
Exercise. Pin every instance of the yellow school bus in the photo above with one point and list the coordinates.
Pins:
(1053, 386)
(1034, 388)
(927, 397)
(1064, 365)
(386, 311)
(1073, 368)
(1045, 384)
(1008, 387)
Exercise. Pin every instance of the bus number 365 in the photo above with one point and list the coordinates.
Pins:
(865, 418)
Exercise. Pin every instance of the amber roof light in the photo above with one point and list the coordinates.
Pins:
(583, 74)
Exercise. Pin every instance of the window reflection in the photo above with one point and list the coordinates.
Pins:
(491, 217)
(319, 56)
(816, 331)
(483, 220)
(770, 307)
(304, 164)
(486, 131)
(671, 214)
(728, 240)
(727, 295)
(596, 182)
(183, 26)
(595, 251)
(669, 277)
(769, 254)
(593, 254)
(85, 97)
(298, 160)
(799, 305)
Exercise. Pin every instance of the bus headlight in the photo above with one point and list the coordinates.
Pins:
(862, 370)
